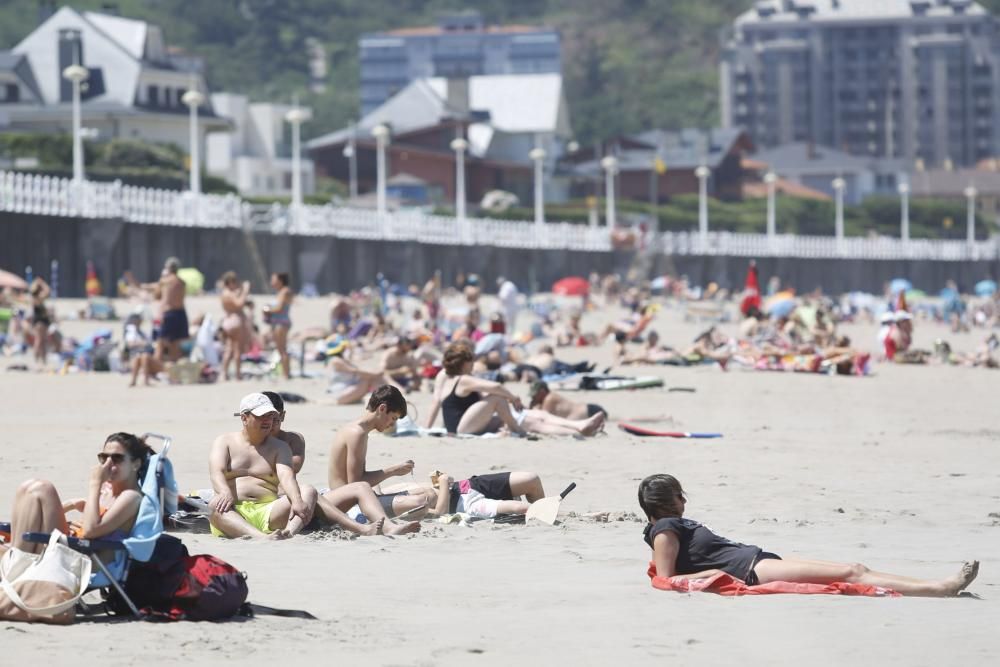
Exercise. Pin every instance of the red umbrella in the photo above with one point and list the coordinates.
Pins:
(8, 279)
(571, 286)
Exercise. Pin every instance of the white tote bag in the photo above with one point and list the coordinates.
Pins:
(43, 588)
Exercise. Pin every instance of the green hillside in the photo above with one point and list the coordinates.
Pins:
(629, 64)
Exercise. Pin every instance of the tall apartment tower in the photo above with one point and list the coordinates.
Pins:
(459, 46)
(917, 80)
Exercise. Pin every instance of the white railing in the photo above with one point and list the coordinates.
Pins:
(45, 195)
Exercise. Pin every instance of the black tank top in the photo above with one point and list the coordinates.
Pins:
(453, 407)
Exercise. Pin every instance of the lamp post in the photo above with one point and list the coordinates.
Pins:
(537, 155)
(904, 212)
(459, 145)
(193, 100)
(381, 134)
(702, 173)
(838, 187)
(610, 166)
(970, 216)
(77, 75)
(770, 179)
(351, 153)
(296, 117)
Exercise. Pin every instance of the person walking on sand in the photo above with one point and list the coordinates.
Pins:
(174, 321)
(278, 315)
(349, 453)
(687, 550)
(246, 468)
(40, 318)
(235, 323)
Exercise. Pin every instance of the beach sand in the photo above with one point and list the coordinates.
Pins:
(900, 471)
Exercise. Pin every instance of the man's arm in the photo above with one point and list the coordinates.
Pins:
(218, 463)
(443, 496)
(288, 481)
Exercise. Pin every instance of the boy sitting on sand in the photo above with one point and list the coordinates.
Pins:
(350, 449)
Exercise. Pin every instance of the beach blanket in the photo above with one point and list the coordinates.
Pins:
(600, 382)
(724, 584)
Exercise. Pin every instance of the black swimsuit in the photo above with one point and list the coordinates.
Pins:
(453, 407)
(40, 314)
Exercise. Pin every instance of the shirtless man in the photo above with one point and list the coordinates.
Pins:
(174, 321)
(246, 468)
(350, 449)
(359, 493)
(400, 366)
(549, 401)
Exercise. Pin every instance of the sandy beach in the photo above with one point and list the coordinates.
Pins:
(900, 471)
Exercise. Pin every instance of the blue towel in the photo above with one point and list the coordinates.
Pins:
(149, 522)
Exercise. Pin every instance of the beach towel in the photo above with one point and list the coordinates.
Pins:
(724, 584)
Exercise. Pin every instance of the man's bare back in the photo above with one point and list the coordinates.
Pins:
(350, 446)
(563, 407)
(172, 291)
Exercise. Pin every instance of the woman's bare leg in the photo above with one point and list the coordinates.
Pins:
(540, 421)
(825, 572)
(478, 416)
(280, 334)
(37, 509)
(41, 342)
(354, 393)
(227, 354)
(137, 364)
(526, 484)
(512, 507)
(362, 495)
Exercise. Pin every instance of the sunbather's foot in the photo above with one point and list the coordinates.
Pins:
(390, 528)
(593, 425)
(371, 529)
(280, 534)
(965, 576)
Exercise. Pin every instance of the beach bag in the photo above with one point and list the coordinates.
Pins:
(43, 588)
(212, 590)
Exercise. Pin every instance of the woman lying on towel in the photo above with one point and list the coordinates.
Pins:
(484, 496)
(110, 508)
(686, 549)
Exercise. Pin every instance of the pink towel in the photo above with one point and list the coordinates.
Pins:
(724, 584)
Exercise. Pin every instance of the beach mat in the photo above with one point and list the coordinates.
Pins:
(646, 432)
(597, 382)
(724, 584)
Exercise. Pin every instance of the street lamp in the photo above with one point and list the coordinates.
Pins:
(537, 155)
(770, 179)
(904, 212)
(193, 99)
(351, 153)
(610, 166)
(702, 173)
(77, 75)
(838, 187)
(970, 224)
(296, 117)
(381, 134)
(459, 145)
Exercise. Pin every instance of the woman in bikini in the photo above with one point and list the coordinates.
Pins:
(40, 318)
(472, 405)
(278, 316)
(685, 549)
(235, 324)
(110, 508)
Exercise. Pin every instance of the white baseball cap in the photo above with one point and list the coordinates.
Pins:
(902, 316)
(256, 404)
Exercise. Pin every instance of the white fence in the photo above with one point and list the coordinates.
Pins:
(45, 195)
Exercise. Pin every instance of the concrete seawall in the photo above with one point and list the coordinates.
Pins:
(341, 264)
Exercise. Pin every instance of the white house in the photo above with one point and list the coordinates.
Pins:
(134, 89)
(256, 156)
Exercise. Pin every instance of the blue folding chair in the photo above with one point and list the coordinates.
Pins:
(111, 558)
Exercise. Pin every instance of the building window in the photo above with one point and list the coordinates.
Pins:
(9, 93)
(153, 96)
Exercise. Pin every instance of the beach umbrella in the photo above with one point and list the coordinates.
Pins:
(780, 304)
(900, 285)
(986, 288)
(571, 286)
(194, 280)
(915, 295)
(12, 280)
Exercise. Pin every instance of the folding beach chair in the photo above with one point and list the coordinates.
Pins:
(159, 500)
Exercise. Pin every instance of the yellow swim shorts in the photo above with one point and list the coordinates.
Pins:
(256, 512)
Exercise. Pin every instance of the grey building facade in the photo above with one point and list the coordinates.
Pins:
(916, 80)
(461, 45)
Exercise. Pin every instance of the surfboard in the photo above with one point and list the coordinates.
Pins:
(638, 430)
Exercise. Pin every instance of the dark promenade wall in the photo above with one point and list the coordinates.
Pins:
(342, 264)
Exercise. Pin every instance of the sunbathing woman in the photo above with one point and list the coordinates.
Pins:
(111, 505)
(235, 325)
(688, 550)
(484, 496)
(473, 405)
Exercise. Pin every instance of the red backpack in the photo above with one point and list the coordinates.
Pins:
(211, 590)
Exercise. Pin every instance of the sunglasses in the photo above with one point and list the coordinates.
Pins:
(117, 459)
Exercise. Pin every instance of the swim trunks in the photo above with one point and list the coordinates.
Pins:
(594, 408)
(386, 502)
(256, 512)
(174, 325)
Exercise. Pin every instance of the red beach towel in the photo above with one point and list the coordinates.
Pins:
(724, 584)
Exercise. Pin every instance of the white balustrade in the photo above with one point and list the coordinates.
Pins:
(47, 195)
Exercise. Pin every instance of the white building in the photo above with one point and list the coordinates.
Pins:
(256, 156)
(134, 89)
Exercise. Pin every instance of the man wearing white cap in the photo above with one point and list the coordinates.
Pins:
(246, 467)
